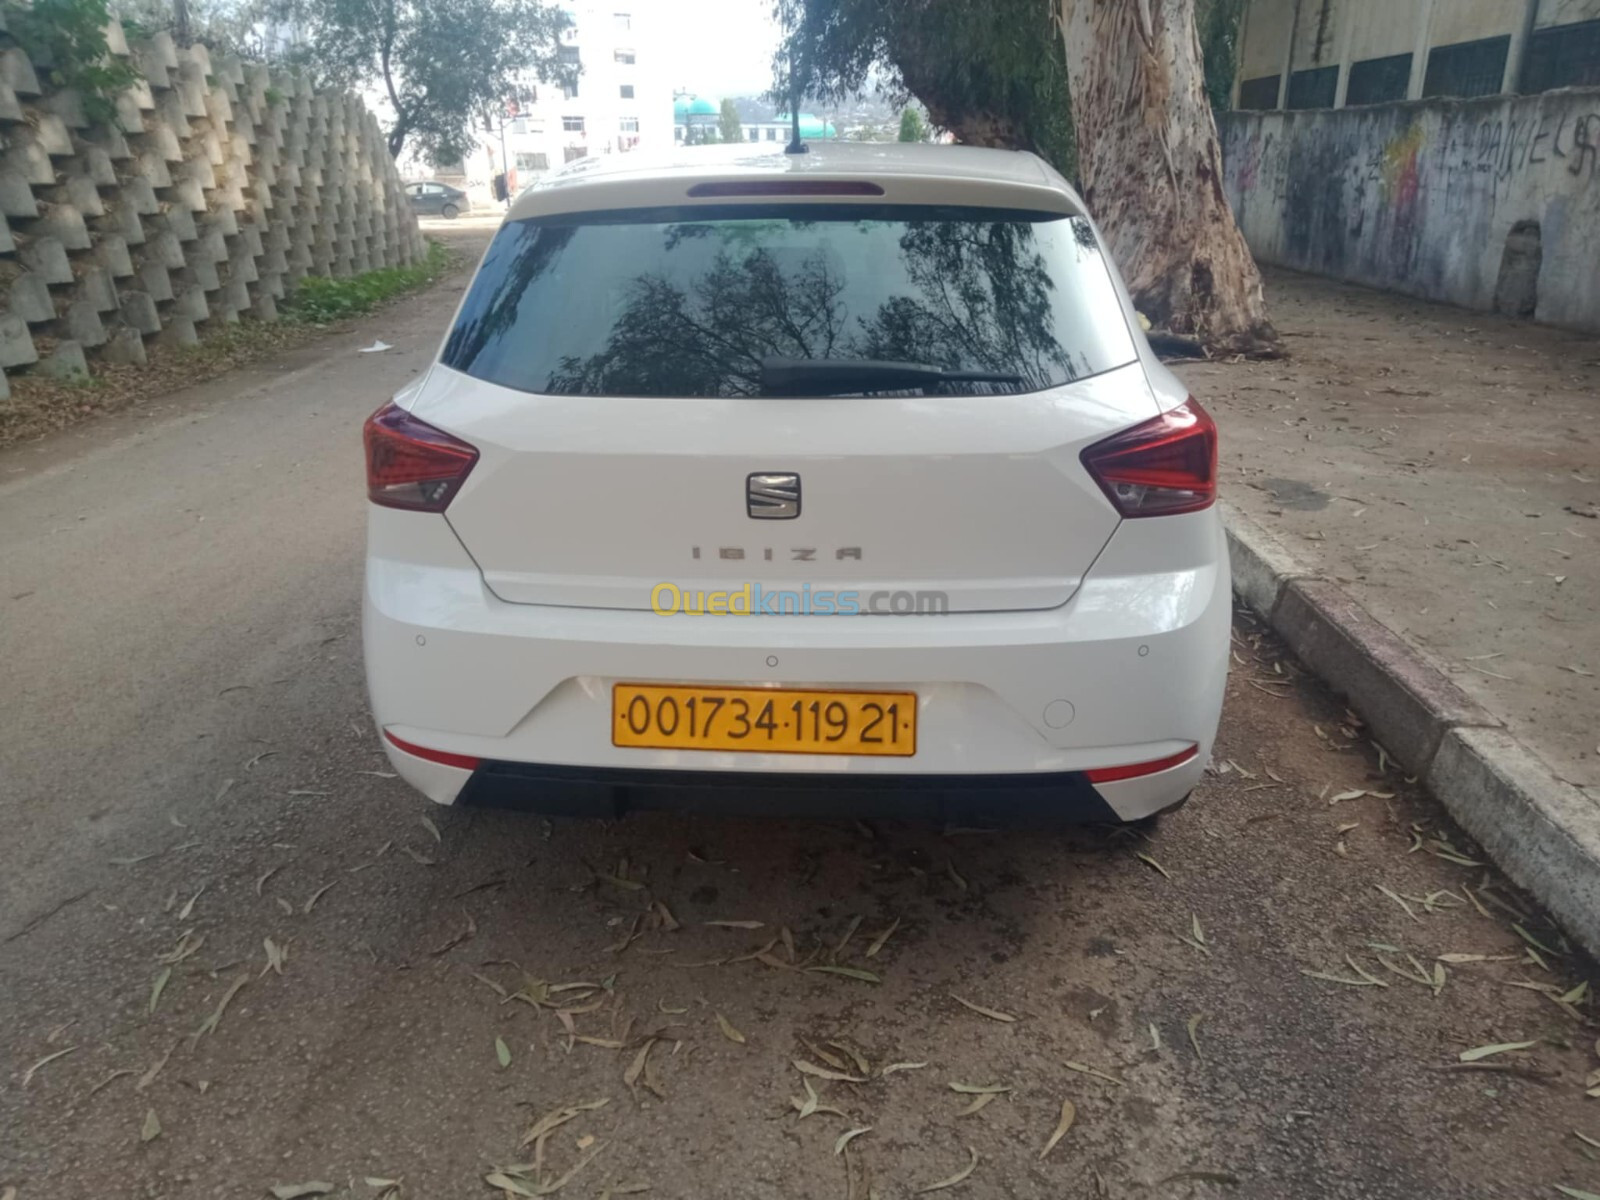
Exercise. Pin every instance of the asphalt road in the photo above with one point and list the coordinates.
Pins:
(188, 773)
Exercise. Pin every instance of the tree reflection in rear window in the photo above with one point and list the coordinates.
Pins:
(689, 301)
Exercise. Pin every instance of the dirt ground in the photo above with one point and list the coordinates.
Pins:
(237, 955)
(1160, 984)
(1442, 465)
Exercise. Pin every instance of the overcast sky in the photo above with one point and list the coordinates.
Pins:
(719, 47)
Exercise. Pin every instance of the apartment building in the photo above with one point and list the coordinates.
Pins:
(622, 99)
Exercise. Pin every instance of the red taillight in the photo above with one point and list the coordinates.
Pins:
(1135, 770)
(410, 464)
(1166, 465)
(465, 761)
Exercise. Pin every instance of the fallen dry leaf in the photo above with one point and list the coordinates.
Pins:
(860, 973)
(1087, 1070)
(636, 1068)
(850, 932)
(497, 989)
(827, 1056)
(806, 1068)
(1069, 1113)
(993, 1014)
(979, 1103)
(295, 1191)
(728, 1031)
(157, 988)
(1145, 858)
(849, 1136)
(1398, 900)
(1478, 1052)
(105, 1083)
(879, 942)
(856, 1057)
(558, 1117)
(972, 1165)
(28, 1075)
(901, 1066)
(149, 1076)
(275, 956)
(1341, 979)
(187, 910)
(502, 1182)
(210, 1024)
(315, 896)
(151, 1129)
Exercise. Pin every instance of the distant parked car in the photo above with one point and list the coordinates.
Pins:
(437, 200)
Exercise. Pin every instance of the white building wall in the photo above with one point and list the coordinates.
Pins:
(599, 119)
(543, 133)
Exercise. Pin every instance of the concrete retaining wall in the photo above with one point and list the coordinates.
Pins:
(218, 186)
(1492, 204)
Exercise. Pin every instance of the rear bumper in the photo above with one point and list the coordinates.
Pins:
(1013, 706)
(1006, 801)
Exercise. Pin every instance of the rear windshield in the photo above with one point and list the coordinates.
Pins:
(692, 301)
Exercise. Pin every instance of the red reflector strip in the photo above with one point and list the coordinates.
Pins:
(443, 757)
(787, 187)
(1135, 770)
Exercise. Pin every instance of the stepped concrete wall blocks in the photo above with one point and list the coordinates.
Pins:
(218, 185)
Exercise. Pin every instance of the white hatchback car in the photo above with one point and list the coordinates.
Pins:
(837, 482)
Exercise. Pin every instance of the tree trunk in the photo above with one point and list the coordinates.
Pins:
(1152, 171)
(975, 128)
(971, 126)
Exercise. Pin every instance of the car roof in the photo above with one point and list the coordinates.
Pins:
(907, 173)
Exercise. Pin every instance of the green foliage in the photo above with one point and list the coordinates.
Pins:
(1217, 23)
(224, 26)
(994, 73)
(911, 127)
(66, 40)
(273, 97)
(728, 123)
(444, 67)
(319, 299)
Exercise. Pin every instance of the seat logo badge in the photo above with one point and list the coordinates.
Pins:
(772, 497)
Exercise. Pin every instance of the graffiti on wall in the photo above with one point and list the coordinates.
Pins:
(1507, 145)
(1423, 196)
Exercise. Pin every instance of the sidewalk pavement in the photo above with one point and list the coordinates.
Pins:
(1414, 500)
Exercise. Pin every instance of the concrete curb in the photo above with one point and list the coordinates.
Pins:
(1544, 833)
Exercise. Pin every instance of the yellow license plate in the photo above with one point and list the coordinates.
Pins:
(763, 720)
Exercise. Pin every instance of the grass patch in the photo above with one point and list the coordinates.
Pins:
(320, 300)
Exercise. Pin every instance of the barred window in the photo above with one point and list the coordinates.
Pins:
(1467, 68)
(1259, 94)
(1563, 56)
(1314, 88)
(1379, 80)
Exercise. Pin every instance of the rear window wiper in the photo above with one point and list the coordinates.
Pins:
(844, 376)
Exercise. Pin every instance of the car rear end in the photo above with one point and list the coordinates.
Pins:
(813, 487)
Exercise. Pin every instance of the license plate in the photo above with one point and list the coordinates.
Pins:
(764, 720)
